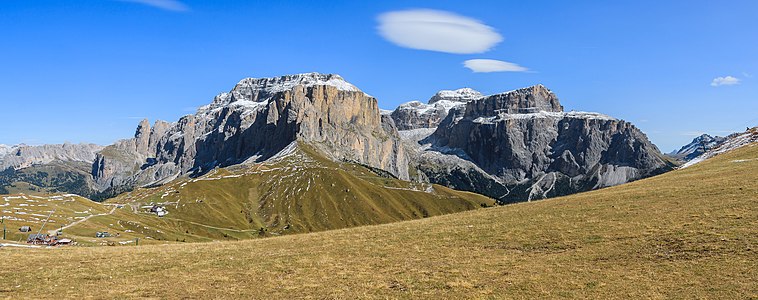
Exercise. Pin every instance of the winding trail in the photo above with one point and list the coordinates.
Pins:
(53, 231)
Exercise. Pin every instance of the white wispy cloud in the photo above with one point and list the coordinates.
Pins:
(436, 30)
(172, 5)
(492, 65)
(727, 80)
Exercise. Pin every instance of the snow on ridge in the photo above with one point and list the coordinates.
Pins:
(422, 109)
(460, 95)
(5, 149)
(250, 90)
(448, 105)
(416, 134)
(695, 147)
(286, 152)
(248, 104)
(287, 82)
(520, 90)
(463, 92)
(733, 142)
(545, 115)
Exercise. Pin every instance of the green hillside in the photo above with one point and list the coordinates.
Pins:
(296, 193)
(687, 234)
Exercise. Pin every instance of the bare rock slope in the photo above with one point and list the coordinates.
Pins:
(521, 146)
(47, 168)
(255, 120)
(514, 146)
(414, 114)
(697, 147)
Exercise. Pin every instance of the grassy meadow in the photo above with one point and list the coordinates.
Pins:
(687, 234)
(301, 192)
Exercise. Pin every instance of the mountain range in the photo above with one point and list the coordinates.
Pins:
(514, 146)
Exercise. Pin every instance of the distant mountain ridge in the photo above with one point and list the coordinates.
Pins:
(729, 143)
(414, 114)
(48, 168)
(22, 156)
(698, 146)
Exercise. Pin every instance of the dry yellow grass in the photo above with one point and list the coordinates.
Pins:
(688, 234)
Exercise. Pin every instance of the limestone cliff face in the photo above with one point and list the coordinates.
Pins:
(525, 141)
(255, 120)
(47, 168)
(23, 156)
(513, 146)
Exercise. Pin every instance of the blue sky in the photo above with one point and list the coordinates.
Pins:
(87, 71)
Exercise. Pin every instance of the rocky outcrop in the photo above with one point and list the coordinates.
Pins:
(414, 114)
(513, 146)
(732, 142)
(252, 122)
(48, 168)
(697, 147)
(23, 156)
(460, 95)
(525, 141)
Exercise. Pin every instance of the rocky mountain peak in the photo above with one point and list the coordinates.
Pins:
(256, 89)
(249, 92)
(697, 147)
(721, 145)
(459, 95)
(142, 137)
(533, 149)
(414, 114)
(252, 122)
(527, 100)
(23, 156)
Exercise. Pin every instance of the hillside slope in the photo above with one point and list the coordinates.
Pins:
(297, 191)
(690, 233)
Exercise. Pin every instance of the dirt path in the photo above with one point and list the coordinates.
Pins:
(53, 231)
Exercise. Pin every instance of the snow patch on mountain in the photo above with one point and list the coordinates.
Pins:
(287, 82)
(544, 115)
(698, 146)
(414, 114)
(460, 95)
(733, 141)
(5, 149)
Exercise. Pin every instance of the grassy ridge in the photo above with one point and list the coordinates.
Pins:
(302, 192)
(687, 234)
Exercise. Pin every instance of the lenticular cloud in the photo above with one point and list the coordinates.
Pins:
(492, 65)
(437, 31)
